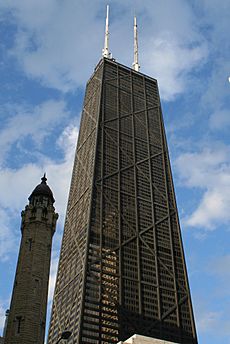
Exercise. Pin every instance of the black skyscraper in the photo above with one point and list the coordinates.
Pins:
(122, 269)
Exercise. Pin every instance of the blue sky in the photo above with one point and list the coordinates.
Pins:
(48, 50)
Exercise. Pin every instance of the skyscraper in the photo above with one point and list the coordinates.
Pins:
(122, 269)
(27, 315)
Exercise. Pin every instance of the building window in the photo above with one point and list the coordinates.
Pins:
(18, 324)
(30, 244)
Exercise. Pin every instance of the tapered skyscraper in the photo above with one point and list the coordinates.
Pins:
(122, 269)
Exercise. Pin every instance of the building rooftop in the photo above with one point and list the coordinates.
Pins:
(136, 339)
(42, 189)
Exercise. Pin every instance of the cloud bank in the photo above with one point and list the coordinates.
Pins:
(209, 171)
(52, 40)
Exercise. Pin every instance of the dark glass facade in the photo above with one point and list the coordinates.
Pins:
(122, 269)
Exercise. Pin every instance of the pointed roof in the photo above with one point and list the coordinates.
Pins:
(42, 189)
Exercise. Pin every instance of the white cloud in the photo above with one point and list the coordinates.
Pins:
(212, 210)
(59, 174)
(216, 88)
(213, 323)
(220, 120)
(171, 62)
(7, 237)
(36, 122)
(209, 171)
(21, 180)
(216, 18)
(52, 41)
(53, 272)
(60, 46)
(25, 178)
(24, 181)
(2, 315)
(68, 139)
(208, 321)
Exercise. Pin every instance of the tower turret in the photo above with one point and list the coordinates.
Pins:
(27, 316)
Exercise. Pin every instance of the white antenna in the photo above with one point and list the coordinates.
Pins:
(105, 51)
(136, 65)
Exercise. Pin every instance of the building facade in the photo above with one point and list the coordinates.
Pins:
(27, 315)
(122, 269)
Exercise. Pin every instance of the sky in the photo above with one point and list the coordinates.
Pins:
(48, 50)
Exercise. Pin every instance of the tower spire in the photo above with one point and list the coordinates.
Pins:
(136, 65)
(44, 179)
(105, 51)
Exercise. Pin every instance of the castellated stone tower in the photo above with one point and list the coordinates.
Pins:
(27, 317)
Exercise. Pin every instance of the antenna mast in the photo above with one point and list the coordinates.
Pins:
(136, 65)
(105, 51)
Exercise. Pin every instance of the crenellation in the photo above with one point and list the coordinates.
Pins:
(41, 214)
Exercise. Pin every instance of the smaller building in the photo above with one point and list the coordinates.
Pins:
(1, 340)
(25, 322)
(136, 339)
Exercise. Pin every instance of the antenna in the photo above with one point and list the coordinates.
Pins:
(136, 65)
(105, 51)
